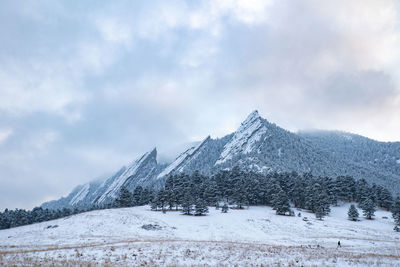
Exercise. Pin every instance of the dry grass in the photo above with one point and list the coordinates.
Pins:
(178, 252)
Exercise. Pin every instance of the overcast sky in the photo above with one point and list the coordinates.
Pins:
(87, 86)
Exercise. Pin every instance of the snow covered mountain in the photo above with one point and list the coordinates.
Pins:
(257, 145)
(139, 172)
(383, 156)
(245, 138)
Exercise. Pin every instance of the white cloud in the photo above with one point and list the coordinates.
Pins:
(25, 88)
(4, 134)
(40, 142)
(114, 31)
(246, 11)
(154, 91)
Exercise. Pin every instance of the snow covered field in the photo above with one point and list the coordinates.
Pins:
(254, 236)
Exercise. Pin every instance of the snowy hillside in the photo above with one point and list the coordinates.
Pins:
(134, 236)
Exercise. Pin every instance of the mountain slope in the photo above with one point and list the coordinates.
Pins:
(379, 155)
(201, 157)
(245, 138)
(140, 171)
(259, 146)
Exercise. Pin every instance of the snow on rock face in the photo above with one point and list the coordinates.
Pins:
(80, 195)
(249, 132)
(176, 162)
(398, 161)
(131, 170)
(179, 162)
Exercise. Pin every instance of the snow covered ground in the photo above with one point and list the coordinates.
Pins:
(254, 236)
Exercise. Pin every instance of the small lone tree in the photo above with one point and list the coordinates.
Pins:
(368, 207)
(224, 208)
(353, 213)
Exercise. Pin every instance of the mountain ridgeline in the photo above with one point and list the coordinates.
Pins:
(257, 146)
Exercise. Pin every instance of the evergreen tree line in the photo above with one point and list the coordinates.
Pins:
(193, 194)
(138, 197)
(19, 217)
(279, 190)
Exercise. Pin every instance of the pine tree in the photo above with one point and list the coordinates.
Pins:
(137, 196)
(38, 214)
(159, 201)
(317, 200)
(312, 190)
(4, 221)
(345, 188)
(196, 189)
(147, 196)
(124, 198)
(211, 193)
(281, 203)
(353, 213)
(200, 207)
(273, 189)
(320, 213)
(65, 212)
(330, 191)
(368, 207)
(170, 194)
(162, 199)
(251, 192)
(224, 208)
(187, 204)
(385, 199)
(298, 193)
(363, 191)
(321, 205)
(396, 211)
(154, 204)
(239, 192)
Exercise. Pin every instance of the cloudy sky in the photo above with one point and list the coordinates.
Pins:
(87, 86)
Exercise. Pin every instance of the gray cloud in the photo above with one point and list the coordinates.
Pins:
(87, 87)
(365, 89)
